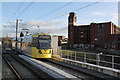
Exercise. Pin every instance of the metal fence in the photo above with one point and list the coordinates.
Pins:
(99, 59)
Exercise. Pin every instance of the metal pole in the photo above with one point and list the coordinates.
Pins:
(75, 55)
(16, 35)
(112, 61)
(68, 55)
(71, 55)
(85, 57)
(61, 53)
(98, 59)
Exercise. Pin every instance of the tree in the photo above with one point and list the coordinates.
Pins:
(21, 34)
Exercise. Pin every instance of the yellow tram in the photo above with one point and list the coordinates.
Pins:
(37, 45)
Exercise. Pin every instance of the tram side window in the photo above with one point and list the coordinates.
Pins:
(34, 43)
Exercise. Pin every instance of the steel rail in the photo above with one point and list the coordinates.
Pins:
(28, 67)
(13, 68)
(50, 77)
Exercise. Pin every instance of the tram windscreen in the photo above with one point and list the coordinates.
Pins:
(44, 44)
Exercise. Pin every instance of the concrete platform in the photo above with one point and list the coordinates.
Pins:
(97, 70)
(53, 71)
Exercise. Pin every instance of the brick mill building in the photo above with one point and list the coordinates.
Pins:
(96, 35)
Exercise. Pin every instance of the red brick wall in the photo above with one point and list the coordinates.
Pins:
(93, 36)
(80, 34)
(107, 29)
(71, 24)
(93, 33)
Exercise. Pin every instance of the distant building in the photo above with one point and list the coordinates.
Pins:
(71, 23)
(61, 37)
(77, 35)
(97, 35)
(82, 34)
(13, 35)
(100, 33)
(62, 40)
(114, 42)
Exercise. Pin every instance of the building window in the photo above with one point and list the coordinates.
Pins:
(102, 25)
(81, 35)
(98, 30)
(102, 38)
(98, 26)
(102, 34)
(102, 30)
(87, 31)
(84, 39)
(98, 35)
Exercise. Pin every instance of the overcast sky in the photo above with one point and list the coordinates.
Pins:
(39, 14)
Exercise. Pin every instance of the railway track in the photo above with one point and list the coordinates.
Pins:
(13, 68)
(22, 70)
(82, 75)
(70, 69)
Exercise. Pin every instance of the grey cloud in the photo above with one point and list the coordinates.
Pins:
(52, 27)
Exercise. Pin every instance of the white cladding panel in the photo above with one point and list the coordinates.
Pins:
(54, 42)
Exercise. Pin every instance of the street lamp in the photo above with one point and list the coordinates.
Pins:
(95, 39)
(95, 42)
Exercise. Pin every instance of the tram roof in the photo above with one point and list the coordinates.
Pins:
(36, 35)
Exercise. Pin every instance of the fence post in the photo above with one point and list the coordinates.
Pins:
(57, 51)
(75, 55)
(112, 61)
(61, 53)
(71, 55)
(97, 57)
(68, 55)
(85, 57)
